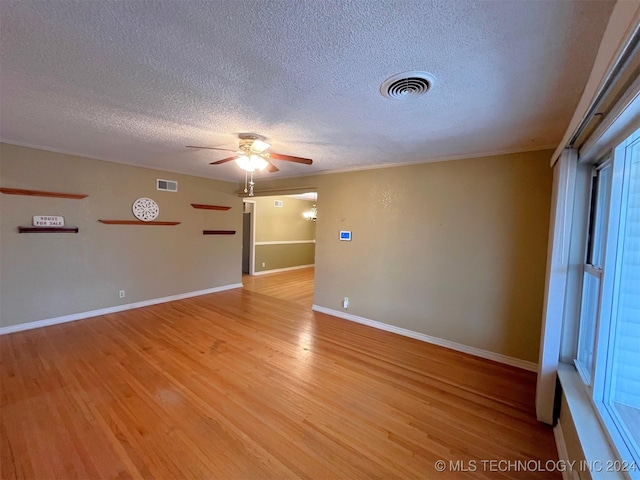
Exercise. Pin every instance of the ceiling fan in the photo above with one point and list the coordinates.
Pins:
(252, 155)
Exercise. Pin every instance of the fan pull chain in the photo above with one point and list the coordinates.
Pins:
(251, 184)
(245, 181)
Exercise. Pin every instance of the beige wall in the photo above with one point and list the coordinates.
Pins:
(283, 224)
(49, 275)
(455, 250)
(279, 256)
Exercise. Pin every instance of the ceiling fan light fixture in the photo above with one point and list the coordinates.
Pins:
(311, 214)
(251, 163)
(259, 146)
(251, 157)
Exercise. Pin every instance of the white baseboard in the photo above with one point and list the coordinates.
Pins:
(298, 267)
(478, 352)
(104, 311)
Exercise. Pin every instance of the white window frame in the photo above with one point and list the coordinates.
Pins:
(563, 291)
(603, 353)
(596, 271)
(597, 386)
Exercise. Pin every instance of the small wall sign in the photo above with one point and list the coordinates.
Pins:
(48, 221)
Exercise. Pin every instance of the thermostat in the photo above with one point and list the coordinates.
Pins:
(345, 235)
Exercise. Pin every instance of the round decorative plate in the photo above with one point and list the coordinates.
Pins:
(145, 209)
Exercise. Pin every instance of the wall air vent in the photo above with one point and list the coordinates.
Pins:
(167, 185)
(407, 85)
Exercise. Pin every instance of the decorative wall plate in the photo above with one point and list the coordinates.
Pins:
(145, 209)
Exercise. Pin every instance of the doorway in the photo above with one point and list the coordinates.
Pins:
(281, 263)
(246, 242)
(278, 233)
(248, 237)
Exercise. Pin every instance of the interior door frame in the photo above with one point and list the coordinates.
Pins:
(250, 207)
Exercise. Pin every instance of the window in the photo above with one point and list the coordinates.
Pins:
(600, 195)
(608, 356)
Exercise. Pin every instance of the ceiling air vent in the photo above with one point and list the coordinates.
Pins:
(167, 185)
(407, 85)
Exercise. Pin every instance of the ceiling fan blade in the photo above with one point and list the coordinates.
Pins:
(213, 148)
(289, 158)
(225, 160)
(271, 168)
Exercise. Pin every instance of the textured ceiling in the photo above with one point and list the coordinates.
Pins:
(135, 81)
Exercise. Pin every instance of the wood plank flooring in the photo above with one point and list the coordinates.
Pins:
(242, 385)
(294, 285)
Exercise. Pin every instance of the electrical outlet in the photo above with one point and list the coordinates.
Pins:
(264, 264)
(345, 303)
(121, 293)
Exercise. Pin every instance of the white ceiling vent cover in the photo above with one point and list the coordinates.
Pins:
(407, 85)
(167, 185)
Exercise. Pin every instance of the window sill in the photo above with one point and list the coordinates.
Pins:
(593, 439)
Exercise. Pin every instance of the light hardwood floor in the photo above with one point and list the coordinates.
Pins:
(294, 285)
(242, 384)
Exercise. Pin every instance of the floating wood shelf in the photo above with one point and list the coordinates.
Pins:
(48, 229)
(42, 193)
(136, 222)
(218, 232)
(209, 207)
